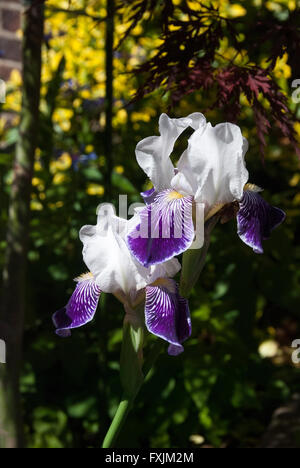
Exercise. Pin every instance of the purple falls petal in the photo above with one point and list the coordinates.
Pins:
(149, 196)
(256, 220)
(166, 229)
(167, 315)
(80, 309)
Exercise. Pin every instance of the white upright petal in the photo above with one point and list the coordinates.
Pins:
(153, 153)
(184, 184)
(214, 164)
(106, 255)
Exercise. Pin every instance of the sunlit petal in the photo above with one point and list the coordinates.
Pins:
(214, 164)
(153, 153)
(106, 254)
(166, 229)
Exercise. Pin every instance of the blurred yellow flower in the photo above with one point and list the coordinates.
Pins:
(119, 169)
(95, 189)
(86, 94)
(89, 148)
(292, 5)
(37, 166)
(63, 163)
(121, 117)
(39, 183)
(194, 5)
(140, 116)
(59, 178)
(15, 78)
(77, 103)
(138, 30)
(13, 101)
(35, 205)
(236, 10)
(294, 181)
(297, 129)
(282, 69)
(58, 204)
(62, 117)
(172, 27)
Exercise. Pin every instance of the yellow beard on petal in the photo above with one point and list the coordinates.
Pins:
(253, 188)
(84, 277)
(175, 195)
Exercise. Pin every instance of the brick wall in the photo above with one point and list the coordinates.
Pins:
(10, 44)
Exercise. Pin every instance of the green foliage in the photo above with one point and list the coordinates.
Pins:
(132, 358)
(221, 388)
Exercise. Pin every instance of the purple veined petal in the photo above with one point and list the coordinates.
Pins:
(256, 220)
(149, 196)
(167, 314)
(80, 309)
(166, 229)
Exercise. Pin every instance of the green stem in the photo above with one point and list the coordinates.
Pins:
(118, 422)
(126, 403)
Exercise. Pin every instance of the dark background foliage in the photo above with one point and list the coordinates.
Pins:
(222, 391)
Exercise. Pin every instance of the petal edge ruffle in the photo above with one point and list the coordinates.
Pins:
(256, 220)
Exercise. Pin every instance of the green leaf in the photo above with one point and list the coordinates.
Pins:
(92, 173)
(81, 408)
(123, 184)
(132, 358)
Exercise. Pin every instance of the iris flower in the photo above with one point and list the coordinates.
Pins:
(112, 269)
(211, 173)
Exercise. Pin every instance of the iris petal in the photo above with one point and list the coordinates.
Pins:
(166, 229)
(167, 315)
(257, 219)
(153, 153)
(214, 164)
(80, 309)
(149, 196)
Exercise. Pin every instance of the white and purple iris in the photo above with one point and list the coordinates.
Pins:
(212, 173)
(134, 260)
(114, 270)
